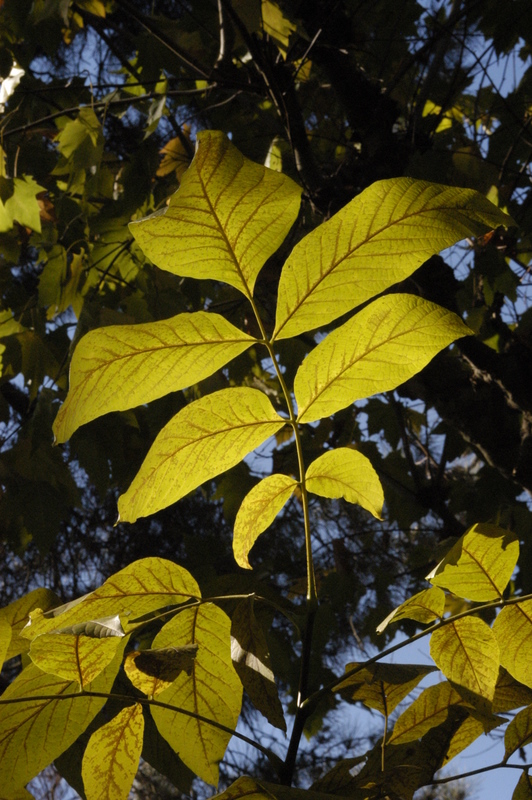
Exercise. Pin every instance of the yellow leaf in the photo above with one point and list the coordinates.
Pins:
(257, 512)
(467, 653)
(16, 614)
(382, 686)
(152, 671)
(175, 156)
(469, 731)
(480, 564)
(213, 690)
(5, 639)
(523, 790)
(349, 474)
(74, 658)
(45, 723)
(510, 694)
(519, 732)
(425, 606)
(208, 437)
(227, 217)
(427, 711)
(112, 756)
(139, 588)
(276, 25)
(376, 240)
(379, 348)
(123, 366)
(513, 629)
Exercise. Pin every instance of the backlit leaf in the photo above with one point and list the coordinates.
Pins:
(96, 628)
(5, 639)
(16, 614)
(480, 564)
(227, 217)
(467, 653)
(141, 587)
(257, 512)
(427, 711)
(74, 658)
(207, 437)
(519, 732)
(382, 686)
(22, 205)
(510, 694)
(112, 756)
(376, 240)
(425, 606)
(26, 746)
(513, 629)
(251, 659)
(523, 790)
(151, 671)
(123, 366)
(213, 690)
(349, 474)
(382, 346)
(469, 731)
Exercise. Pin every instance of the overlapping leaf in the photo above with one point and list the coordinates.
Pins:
(26, 746)
(206, 438)
(257, 512)
(123, 366)
(523, 790)
(467, 653)
(480, 564)
(112, 756)
(213, 690)
(382, 346)
(427, 711)
(349, 474)
(16, 615)
(382, 686)
(513, 629)
(228, 216)
(376, 240)
(139, 588)
(75, 658)
(519, 732)
(152, 671)
(425, 606)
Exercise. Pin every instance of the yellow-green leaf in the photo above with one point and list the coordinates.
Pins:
(425, 606)
(50, 718)
(510, 694)
(141, 587)
(213, 690)
(251, 659)
(227, 218)
(124, 366)
(382, 686)
(376, 240)
(5, 639)
(349, 474)
(523, 790)
(16, 615)
(204, 439)
(480, 564)
(469, 731)
(257, 512)
(467, 653)
(375, 351)
(152, 671)
(74, 658)
(513, 629)
(112, 756)
(519, 732)
(22, 205)
(427, 711)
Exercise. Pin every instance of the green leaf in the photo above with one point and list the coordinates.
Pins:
(513, 629)
(213, 690)
(523, 790)
(152, 671)
(5, 639)
(251, 660)
(16, 615)
(123, 366)
(139, 588)
(112, 756)
(36, 731)
(467, 653)
(257, 512)
(22, 205)
(382, 686)
(382, 346)
(376, 240)
(74, 658)
(227, 218)
(425, 606)
(480, 564)
(427, 711)
(349, 474)
(204, 439)
(519, 732)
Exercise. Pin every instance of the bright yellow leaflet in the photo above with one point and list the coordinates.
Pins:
(349, 474)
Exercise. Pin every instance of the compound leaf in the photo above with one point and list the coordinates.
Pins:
(257, 512)
(376, 240)
(205, 438)
(349, 474)
(227, 218)
(382, 346)
(124, 366)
